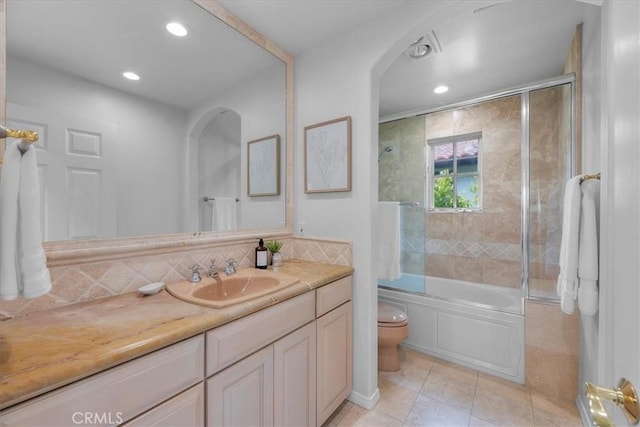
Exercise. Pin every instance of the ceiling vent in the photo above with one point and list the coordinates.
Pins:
(425, 46)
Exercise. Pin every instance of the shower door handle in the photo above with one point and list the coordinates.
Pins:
(624, 396)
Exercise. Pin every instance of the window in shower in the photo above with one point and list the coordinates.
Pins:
(455, 172)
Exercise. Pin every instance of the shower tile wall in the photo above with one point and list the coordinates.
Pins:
(481, 247)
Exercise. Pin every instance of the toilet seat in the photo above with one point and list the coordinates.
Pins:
(390, 316)
(392, 324)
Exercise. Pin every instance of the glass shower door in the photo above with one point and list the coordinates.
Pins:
(401, 178)
(550, 166)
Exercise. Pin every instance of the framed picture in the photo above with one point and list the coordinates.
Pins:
(327, 156)
(263, 166)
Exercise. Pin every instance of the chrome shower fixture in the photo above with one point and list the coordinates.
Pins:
(386, 149)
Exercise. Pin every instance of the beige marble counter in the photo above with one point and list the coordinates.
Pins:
(52, 348)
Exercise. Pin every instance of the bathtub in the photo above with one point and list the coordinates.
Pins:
(475, 325)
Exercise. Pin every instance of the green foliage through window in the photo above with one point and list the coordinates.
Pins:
(456, 172)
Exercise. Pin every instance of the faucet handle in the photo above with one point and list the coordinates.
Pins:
(195, 273)
(231, 266)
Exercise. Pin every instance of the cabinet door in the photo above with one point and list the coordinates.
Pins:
(242, 394)
(334, 360)
(295, 378)
(185, 409)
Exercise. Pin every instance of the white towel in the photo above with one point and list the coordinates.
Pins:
(224, 214)
(388, 240)
(578, 279)
(568, 279)
(588, 248)
(23, 269)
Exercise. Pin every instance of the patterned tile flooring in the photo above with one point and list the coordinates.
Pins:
(431, 392)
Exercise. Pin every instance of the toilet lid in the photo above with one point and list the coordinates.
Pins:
(388, 313)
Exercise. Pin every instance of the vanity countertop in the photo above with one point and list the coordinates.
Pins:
(51, 348)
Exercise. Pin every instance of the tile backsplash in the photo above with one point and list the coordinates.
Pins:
(80, 282)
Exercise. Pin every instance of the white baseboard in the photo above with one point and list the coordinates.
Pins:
(367, 402)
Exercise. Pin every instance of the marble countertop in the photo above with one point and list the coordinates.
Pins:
(51, 348)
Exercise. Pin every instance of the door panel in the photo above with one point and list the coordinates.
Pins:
(76, 159)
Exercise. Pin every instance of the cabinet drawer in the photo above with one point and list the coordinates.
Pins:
(118, 394)
(240, 338)
(332, 295)
(185, 409)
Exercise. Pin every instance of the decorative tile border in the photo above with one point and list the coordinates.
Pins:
(474, 249)
(81, 282)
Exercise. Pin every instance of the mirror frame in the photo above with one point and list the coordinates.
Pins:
(83, 251)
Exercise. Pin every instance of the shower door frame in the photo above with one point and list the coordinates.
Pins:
(524, 92)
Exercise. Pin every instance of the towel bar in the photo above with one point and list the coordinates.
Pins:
(27, 137)
(211, 199)
(588, 177)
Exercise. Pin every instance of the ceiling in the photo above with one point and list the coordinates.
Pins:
(99, 39)
(501, 46)
(498, 47)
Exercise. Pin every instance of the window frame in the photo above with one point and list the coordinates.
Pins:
(431, 176)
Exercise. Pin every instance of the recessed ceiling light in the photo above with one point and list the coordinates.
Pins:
(176, 29)
(441, 89)
(130, 75)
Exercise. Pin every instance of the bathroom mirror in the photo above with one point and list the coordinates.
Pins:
(123, 158)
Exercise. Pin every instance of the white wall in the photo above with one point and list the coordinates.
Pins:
(340, 78)
(260, 102)
(150, 141)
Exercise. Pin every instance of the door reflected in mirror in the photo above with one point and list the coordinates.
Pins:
(121, 157)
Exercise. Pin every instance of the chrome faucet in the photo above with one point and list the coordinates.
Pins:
(213, 270)
(231, 267)
(195, 273)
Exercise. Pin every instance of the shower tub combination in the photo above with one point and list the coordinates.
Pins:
(476, 325)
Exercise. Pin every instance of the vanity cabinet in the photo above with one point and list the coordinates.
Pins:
(334, 346)
(118, 394)
(286, 365)
(275, 385)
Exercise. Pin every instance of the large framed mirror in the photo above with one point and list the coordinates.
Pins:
(129, 165)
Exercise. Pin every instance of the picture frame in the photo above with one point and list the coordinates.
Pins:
(327, 156)
(263, 166)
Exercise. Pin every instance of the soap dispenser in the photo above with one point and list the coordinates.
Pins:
(261, 255)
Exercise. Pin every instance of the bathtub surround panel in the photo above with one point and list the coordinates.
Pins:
(551, 352)
(82, 282)
(483, 339)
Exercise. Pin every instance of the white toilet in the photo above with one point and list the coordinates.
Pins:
(393, 328)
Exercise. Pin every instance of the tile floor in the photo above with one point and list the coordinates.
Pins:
(431, 392)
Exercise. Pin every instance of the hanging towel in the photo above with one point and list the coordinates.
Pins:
(224, 214)
(388, 240)
(588, 248)
(23, 268)
(567, 288)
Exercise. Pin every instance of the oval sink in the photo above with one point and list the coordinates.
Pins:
(234, 287)
(222, 291)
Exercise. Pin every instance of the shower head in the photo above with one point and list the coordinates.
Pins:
(386, 149)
